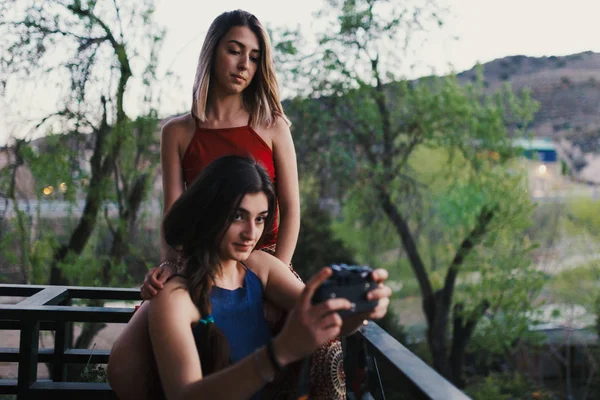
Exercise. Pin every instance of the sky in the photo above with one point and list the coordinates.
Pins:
(474, 31)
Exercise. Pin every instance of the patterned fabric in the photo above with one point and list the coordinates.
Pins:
(327, 378)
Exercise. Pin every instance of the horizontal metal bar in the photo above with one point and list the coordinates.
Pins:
(48, 390)
(430, 383)
(51, 296)
(72, 356)
(80, 356)
(11, 325)
(65, 313)
(75, 292)
(105, 293)
(73, 390)
(8, 386)
(10, 290)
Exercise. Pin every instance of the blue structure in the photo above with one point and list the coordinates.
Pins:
(538, 149)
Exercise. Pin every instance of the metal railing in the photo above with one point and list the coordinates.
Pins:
(408, 377)
(48, 308)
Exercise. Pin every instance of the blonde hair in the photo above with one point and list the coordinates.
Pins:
(261, 97)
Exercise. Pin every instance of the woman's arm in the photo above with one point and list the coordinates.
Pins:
(280, 284)
(172, 176)
(288, 194)
(284, 289)
(170, 319)
(172, 134)
(171, 315)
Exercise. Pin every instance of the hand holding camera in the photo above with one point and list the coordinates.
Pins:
(362, 286)
(334, 302)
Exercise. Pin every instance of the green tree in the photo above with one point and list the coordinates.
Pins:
(91, 50)
(372, 133)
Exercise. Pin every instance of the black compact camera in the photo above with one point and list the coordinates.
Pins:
(348, 282)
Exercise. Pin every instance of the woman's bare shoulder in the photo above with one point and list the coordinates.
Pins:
(279, 124)
(275, 131)
(178, 126)
(176, 296)
(261, 262)
(177, 133)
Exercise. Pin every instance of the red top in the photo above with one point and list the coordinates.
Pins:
(208, 145)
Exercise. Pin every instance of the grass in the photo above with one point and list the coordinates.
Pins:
(580, 285)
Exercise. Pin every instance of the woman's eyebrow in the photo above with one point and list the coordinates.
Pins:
(244, 211)
(243, 45)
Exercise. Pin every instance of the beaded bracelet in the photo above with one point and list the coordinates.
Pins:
(168, 263)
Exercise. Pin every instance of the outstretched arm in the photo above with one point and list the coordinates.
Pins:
(284, 289)
(171, 315)
(170, 319)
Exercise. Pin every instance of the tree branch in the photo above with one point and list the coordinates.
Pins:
(483, 220)
(77, 10)
(118, 12)
(407, 240)
(462, 335)
(41, 28)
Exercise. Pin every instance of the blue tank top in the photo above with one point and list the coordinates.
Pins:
(239, 315)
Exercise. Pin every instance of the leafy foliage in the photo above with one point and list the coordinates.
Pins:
(433, 159)
(507, 387)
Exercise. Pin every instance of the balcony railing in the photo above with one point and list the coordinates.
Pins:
(48, 308)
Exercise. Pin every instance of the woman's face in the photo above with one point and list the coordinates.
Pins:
(246, 228)
(236, 60)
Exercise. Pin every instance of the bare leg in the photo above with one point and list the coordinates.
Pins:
(131, 367)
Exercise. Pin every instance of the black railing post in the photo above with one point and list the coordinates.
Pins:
(28, 357)
(61, 344)
(356, 367)
(374, 378)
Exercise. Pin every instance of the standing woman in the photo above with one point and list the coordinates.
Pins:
(236, 110)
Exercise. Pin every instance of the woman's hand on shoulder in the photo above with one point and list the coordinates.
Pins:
(176, 288)
(155, 279)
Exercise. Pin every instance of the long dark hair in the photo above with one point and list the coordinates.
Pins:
(196, 224)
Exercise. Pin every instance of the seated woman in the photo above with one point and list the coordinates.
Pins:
(206, 327)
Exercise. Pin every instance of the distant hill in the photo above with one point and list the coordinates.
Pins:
(568, 89)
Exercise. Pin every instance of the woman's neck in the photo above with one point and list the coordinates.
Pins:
(231, 276)
(225, 107)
